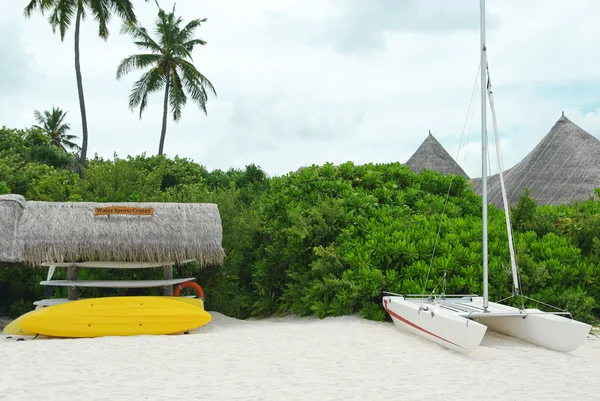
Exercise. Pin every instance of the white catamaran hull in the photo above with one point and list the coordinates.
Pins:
(460, 323)
(434, 323)
(536, 327)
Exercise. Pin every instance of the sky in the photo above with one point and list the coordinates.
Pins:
(302, 82)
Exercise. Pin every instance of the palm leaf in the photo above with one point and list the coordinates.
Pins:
(191, 73)
(137, 61)
(177, 97)
(142, 39)
(151, 81)
(62, 15)
(187, 33)
(42, 5)
(38, 117)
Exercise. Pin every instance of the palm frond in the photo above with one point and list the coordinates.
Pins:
(167, 27)
(141, 37)
(63, 128)
(62, 15)
(151, 81)
(196, 85)
(137, 61)
(42, 5)
(190, 44)
(178, 50)
(124, 10)
(187, 33)
(156, 83)
(38, 117)
(100, 9)
(192, 73)
(177, 97)
(60, 115)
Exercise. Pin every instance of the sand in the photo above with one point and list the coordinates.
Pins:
(343, 358)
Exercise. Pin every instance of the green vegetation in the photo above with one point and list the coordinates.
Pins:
(324, 241)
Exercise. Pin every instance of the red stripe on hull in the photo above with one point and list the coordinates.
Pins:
(385, 302)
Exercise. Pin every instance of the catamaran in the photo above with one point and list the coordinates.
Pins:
(459, 322)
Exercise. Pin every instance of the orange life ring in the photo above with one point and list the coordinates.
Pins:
(189, 284)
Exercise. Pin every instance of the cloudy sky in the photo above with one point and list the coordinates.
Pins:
(306, 81)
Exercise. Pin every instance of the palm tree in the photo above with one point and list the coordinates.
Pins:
(169, 59)
(52, 123)
(61, 17)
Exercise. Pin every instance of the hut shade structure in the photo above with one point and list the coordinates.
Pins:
(11, 210)
(563, 168)
(431, 155)
(134, 232)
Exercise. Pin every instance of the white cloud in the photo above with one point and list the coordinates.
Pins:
(302, 82)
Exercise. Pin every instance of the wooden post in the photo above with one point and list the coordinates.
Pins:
(168, 275)
(72, 275)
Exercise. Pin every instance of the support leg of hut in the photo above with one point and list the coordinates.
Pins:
(72, 275)
(168, 275)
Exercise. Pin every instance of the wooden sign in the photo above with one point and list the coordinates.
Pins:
(142, 211)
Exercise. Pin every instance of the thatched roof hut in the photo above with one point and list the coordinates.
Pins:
(562, 168)
(431, 155)
(122, 232)
(11, 210)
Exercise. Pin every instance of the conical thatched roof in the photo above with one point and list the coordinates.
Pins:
(562, 168)
(71, 231)
(431, 155)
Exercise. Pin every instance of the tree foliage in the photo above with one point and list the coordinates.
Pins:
(54, 125)
(169, 64)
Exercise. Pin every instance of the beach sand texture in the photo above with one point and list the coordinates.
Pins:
(342, 358)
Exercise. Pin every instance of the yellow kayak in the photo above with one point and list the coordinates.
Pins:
(116, 316)
(14, 328)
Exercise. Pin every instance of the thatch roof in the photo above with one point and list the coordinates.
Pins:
(70, 231)
(11, 210)
(562, 168)
(431, 155)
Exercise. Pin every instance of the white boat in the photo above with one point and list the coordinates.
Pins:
(459, 322)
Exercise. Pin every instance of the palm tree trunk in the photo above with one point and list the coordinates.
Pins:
(163, 132)
(84, 142)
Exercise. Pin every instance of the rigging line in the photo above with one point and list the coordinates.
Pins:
(572, 172)
(472, 110)
(504, 299)
(543, 303)
(438, 284)
(449, 186)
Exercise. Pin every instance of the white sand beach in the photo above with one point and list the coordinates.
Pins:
(344, 358)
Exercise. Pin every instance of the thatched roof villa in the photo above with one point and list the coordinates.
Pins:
(34, 233)
(564, 167)
(431, 155)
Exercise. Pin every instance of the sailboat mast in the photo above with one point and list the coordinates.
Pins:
(484, 146)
